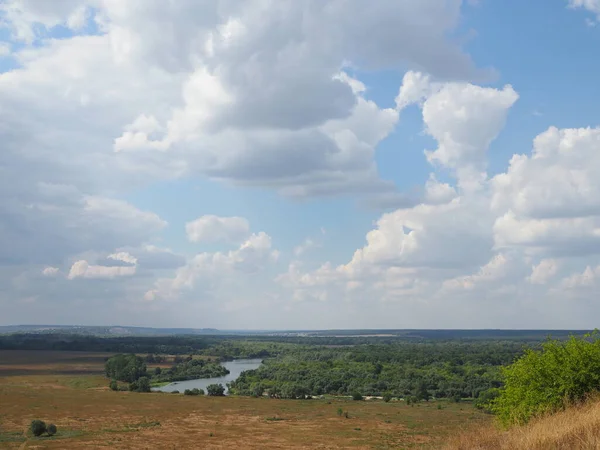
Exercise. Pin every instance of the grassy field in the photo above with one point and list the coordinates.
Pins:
(68, 389)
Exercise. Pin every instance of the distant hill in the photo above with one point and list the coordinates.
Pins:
(107, 330)
(118, 330)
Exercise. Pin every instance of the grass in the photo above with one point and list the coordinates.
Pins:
(576, 428)
(89, 415)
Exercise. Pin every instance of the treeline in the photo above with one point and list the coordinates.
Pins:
(422, 370)
(130, 368)
(255, 346)
(190, 369)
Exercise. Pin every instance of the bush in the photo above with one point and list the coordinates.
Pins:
(113, 385)
(143, 384)
(340, 412)
(357, 396)
(215, 390)
(175, 392)
(38, 427)
(544, 381)
(194, 391)
(126, 368)
(387, 397)
(485, 399)
(51, 429)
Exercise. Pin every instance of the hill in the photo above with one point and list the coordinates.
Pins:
(576, 428)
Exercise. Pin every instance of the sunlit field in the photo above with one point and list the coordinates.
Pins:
(70, 390)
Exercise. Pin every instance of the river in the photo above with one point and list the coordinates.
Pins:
(235, 369)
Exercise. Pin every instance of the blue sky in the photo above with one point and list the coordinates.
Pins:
(221, 166)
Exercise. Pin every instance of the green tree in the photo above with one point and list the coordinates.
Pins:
(51, 429)
(143, 384)
(38, 427)
(357, 396)
(215, 390)
(422, 393)
(543, 381)
(126, 368)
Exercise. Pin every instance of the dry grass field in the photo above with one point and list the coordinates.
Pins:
(576, 428)
(68, 389)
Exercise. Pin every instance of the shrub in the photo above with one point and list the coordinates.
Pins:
(143, 384)
(51, 429)
(133, 387)
(340, 412)
(485, 399)
(113, 385)
(126, 368)
(197, 391)
(543, 381)
(187, 392)
(357, 396)
(387, 397)
(38, 427)
(175, 392)
(215, 390)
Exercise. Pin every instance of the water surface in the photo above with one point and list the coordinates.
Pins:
(235, 369)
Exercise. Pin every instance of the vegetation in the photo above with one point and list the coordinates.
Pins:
(142, 384)
(215, 390)
(126, 368)
(38, 427)
(575, 428)
(194, 391)
(423, 370)
(51, 429)
(190, 370)
(544, 381)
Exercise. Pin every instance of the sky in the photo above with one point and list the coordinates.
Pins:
(300, 164)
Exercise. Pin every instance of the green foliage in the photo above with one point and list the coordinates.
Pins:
(194, 391)
(37, 427)
(51, 429)
(190, 369)
(126, 368)
(486, 398)
(215, 390)
(340, 412)
(387, 397)
(357, 396)
(113, 385)
(143, 384)
(544, 381)
(440, 369)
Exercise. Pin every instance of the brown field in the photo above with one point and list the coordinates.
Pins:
(68, 389)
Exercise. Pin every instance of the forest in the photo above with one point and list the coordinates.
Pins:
(303, 366)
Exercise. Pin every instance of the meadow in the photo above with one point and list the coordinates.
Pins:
(70, 390)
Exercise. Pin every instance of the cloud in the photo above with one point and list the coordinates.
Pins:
(476, 247)
(543, 272)
(463, 118)
(223, 269)
(82, 269)
(4, 49)
(549, 201)
(210, 228)
(592, 6)
(50, 271)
